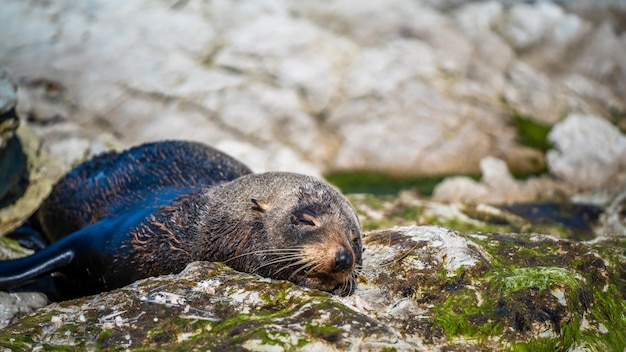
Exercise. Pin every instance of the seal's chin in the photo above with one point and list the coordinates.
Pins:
(329, 284)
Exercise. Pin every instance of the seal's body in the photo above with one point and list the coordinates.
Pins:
(155, 208)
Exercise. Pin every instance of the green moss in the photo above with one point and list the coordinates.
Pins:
(531, 132)
(543, 278)
(274, 339)
(8, 241)
(329, 332)
(608, 309)
(537, 345)
(274, 299)
(302, 343)
(55, 348)
(524, 295)
(569, 336)
(463, 315)
(618, 118)
(17, 343)
(155, 332)
(14, 246)
(464, 226)
(381, 183)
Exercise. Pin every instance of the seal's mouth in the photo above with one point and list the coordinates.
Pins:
(330, 284)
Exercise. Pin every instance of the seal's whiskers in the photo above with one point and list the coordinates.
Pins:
(276, 251)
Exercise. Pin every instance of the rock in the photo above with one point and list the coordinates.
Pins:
(615, 218)
(27, 169)
(270, 158)
(420, 288)
(460, 189)
(497, 185)
(534, 94)
(588, 151)
(43, 169)
(527, 25)
(15, 305)
(49, 112)
(7, 93)
(602, 60)
(12, 160)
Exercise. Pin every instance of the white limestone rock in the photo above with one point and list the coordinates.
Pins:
(587, 152)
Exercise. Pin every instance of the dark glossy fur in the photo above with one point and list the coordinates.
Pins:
(157, 207)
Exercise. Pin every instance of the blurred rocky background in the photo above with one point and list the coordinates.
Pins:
(462, 101)
(406, 87)
(517, 100)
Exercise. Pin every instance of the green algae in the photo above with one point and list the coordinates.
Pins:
(327, 332)
(528, 293)
(463, 314)
(531, 132)
(13, 246)
(464, 226)
(543, 278)
(382, 183)
(18, 342)
(482, 312)
(381, 212)
(275, 339)
(104, 334)
(532, 281)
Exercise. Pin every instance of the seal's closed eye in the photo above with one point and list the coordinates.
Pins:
(303, 219)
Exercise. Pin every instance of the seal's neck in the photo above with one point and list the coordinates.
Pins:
(220, 229)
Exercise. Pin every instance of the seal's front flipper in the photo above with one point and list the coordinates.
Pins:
(28, 236)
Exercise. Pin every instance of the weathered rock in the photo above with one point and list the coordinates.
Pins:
(27, 171)
(576, 221)
(528, 25)
(615, 218)
(588, 151)
(7, 93)
(420, 288)
(12, 161)
(47, 109)
(17, 304)
(42, 169)
(497, 185)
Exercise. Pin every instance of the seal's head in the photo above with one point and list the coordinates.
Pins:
(297, 228)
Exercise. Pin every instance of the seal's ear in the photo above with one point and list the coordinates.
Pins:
(260, 205)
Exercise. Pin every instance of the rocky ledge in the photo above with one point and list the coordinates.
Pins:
(420, 288)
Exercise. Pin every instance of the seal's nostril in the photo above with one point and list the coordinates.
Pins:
(343, 260)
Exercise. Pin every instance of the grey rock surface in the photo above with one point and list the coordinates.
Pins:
(588, 151)
(498, 186)
(15, 305)
(12, 162)
(7, 92)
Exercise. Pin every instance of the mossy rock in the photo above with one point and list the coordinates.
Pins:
(420, 288)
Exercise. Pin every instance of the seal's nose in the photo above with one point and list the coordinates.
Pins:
(343, 260)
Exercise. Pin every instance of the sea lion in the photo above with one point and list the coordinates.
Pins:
(155, 208)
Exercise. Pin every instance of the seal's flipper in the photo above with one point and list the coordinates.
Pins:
(29, 236)
(15, 273)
